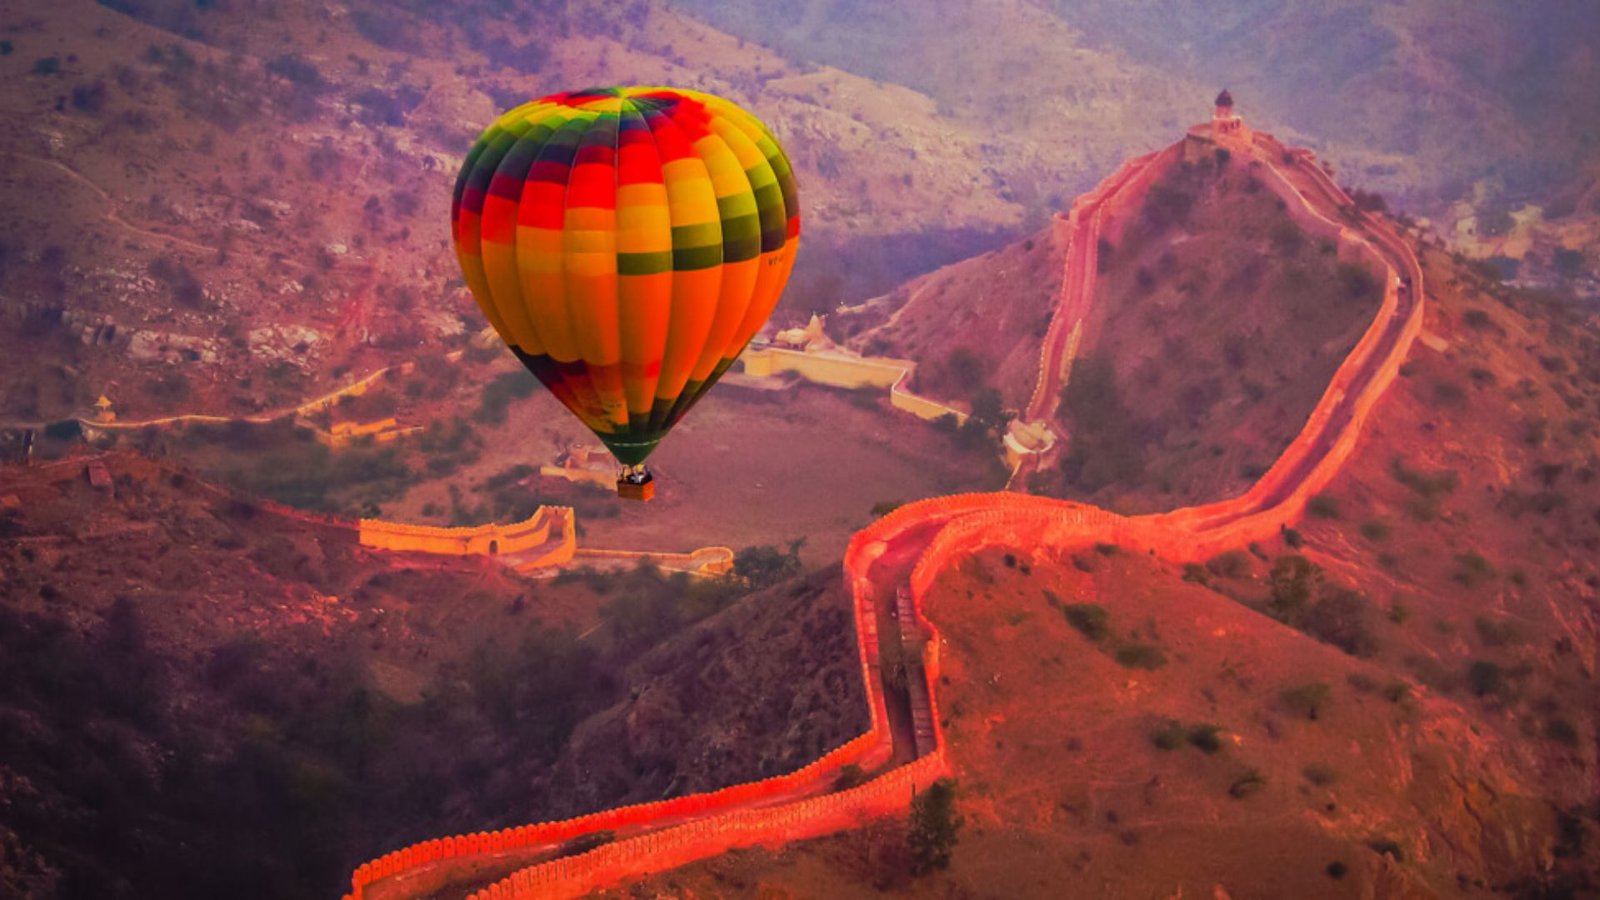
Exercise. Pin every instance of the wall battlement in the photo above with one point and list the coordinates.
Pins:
(839, 369)
(551, 529)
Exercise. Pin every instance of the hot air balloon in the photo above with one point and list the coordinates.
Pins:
(626, 243)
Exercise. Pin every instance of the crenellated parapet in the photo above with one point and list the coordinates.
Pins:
(550, 528)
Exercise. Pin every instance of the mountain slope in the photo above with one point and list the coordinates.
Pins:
(205, 694)
(1388, 698)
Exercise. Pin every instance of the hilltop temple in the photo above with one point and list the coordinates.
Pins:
(1224, 122)
(1226, 129)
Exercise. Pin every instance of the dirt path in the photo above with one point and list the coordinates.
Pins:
(111, 215)
(901, 553)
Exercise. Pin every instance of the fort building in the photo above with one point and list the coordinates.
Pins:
(1226, 130)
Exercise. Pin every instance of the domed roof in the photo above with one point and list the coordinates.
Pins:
(1224, 98)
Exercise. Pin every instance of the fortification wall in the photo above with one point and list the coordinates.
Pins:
(921, 407)
(769, 823)
(1120, 206)
(825, 368)
(1330, 433)
(480, 540)
(672, 847)
(704, 561)
(586, 476)
(1114, 197)
(1108, 206)
(850, 372)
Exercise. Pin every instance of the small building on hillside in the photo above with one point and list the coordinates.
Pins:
(584, 463)
(1026, 439)
(99, 476)
(810, 338)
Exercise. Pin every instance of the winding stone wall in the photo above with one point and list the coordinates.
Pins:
(941, 531)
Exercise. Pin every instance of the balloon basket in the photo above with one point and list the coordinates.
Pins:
(628, 490)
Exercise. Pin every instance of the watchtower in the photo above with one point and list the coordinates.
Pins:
(1223, 122)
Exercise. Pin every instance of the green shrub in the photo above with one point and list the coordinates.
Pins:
(1140, 656)
(1497, 632)
(849, 776)
(1196, 573)
(935, 827)
(498, 394)
(1308, 700)
(1486, 679)
(1319, 774)
(1323, 506)
(1429, 484)
(1472, 569)
(1293, 581)
(1250, 782)
(1358, 283)
(764, 565)
(1343, 618)
(1207, 738)
(1374, 530)
(1387, 847)
(1398, 611)
(1091, 619)
(1233, 564)
(1287, 238)
(1169, 735)
(1562, 732)
(1448, 393)
(1428, 488)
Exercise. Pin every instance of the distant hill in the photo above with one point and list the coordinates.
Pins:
(1417, 99)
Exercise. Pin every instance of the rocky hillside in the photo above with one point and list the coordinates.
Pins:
(1390, 699)
(970, 326)
(1216, 325)
(252, 197)
(1420, 99)
(200, 695)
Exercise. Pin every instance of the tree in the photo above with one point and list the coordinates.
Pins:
(988, 407)
(1495, 220)
(935, 826)
(1568, 263)
(1294, 579)
(965, 368)
(766, 564)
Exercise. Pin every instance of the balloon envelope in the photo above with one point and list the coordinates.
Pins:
(627, 243)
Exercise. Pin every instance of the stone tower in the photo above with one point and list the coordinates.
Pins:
(1225, 124)
(1224, 105)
